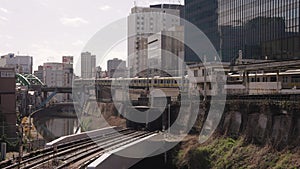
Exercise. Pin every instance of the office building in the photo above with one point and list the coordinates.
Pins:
(165, 49)
(259, 29)
(143, 22)
(22, 64)
(59, 75)
(116, 68)
(204, 15)
(88, 65)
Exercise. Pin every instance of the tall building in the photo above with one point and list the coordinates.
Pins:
(88, 65)
(270, 29)
(204, 15)
(259, 29)
(8, 114)
(165, 49)
(22, 64)
(143, 22)
(116, 68)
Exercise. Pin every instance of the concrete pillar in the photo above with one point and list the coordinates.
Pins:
(277, 80)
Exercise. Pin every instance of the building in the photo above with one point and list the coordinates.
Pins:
(116, 68)
(8, 114)
(88, 65)
(143, 22)
(39, 73)
(59, 75)
(165, 49)
(260, 29)
(204, 15)
(22, 64)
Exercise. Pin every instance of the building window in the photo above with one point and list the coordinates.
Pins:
(195, 73)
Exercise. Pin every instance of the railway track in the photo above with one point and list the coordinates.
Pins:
(78, 153)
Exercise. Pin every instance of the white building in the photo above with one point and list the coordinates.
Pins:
(165, 49)
(143, 22)
(88, 65)
(22, 64)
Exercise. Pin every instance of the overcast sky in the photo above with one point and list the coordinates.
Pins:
(50, 29)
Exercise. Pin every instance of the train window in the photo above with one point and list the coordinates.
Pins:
(295, 79)
(285, 79)
(155, 81)
(252, 79)
(273, 79)
(161, 81)
(258, 80)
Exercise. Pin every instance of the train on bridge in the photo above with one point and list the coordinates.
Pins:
(253, 83)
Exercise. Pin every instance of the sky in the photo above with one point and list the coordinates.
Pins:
(50, 29)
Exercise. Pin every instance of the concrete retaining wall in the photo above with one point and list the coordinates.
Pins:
(263, 122)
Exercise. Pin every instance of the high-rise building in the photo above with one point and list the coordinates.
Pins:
(165, 49)
(204, 15)
(22, 64)
(88, 65)
(116, 68)
(143, 22)
(258, 29)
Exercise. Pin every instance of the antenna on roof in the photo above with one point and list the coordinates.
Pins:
(134, 3)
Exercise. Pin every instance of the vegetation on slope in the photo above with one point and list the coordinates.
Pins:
(225, 153)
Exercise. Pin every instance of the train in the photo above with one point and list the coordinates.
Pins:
(285, 82)
(156, 81)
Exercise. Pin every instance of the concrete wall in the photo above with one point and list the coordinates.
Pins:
(263, 122)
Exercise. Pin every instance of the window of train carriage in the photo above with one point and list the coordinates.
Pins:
(273, 79)
(155, 81)
(295, 79)
(258, 80)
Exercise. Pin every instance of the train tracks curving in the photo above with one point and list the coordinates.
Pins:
(78, 153)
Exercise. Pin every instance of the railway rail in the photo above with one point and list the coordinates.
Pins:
(78, 153)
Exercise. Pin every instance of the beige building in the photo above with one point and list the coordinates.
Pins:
(165, 49)
(59, 75)
(143, 22)
(88, 65)
(22, 64)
